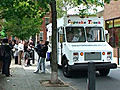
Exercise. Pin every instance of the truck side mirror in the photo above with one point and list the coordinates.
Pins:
(106, 31)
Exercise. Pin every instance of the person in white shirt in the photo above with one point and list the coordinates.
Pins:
(20, 51)
(16, 52)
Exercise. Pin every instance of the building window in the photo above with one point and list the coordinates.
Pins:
(110, 23)
(41, 35)
(47, 19)
(113, 27)
(117, 23)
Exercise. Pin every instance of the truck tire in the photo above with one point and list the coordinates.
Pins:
(65, 70)
(104, 72)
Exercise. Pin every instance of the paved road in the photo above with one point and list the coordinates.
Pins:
(79, 81)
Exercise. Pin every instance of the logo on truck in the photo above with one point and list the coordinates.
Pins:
(84, 22)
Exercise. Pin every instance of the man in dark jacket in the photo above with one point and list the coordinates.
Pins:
(7, 58)
(43, 56)
(44, 49)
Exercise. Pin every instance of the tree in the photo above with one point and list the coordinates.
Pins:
(54, 75)
(23, 28)
(63, 6)
(3, 34)
(21, 17)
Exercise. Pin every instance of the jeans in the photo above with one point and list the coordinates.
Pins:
(41, 63)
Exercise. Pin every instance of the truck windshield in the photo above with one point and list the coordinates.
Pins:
(95, 34)
(75, 34)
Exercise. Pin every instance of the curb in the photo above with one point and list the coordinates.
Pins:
(118, 66)
(61, 80)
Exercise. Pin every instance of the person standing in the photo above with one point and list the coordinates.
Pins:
(26, 53)
(38, 50)
(43, 52)
(31, 46)
(16, 52)
(7, 58)
(20, 52)
(43, 56)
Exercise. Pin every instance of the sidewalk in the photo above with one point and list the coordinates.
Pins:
(23, 78)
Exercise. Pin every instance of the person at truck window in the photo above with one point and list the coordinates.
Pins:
(76, 37)
(70, 36)
(89, 37)
(82, 36)
(79, 36)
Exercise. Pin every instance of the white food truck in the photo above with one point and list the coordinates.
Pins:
(79, 41)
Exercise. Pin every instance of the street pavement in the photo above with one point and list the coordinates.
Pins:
(23, 78)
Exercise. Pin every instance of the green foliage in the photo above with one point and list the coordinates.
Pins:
(91, 3)
(23, 18)
(24, 28)
(3, 33)
(63, 6)
(43, 3)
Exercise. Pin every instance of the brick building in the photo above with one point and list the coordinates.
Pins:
(43, 32)
(112, 22)
(111, 16)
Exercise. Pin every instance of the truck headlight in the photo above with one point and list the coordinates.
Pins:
(75, 57)
(109, 56)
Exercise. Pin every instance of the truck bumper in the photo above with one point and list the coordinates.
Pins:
(98, 66)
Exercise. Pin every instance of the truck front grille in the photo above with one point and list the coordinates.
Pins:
(92, 56)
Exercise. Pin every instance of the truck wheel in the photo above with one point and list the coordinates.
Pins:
(65, 70)
(104, 72)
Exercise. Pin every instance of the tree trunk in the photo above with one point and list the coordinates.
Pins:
(54, 74)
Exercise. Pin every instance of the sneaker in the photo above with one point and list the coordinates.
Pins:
(9, 75)
(26, 65)
(36, 71)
